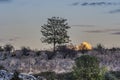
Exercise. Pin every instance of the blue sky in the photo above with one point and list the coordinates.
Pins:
(95, 21)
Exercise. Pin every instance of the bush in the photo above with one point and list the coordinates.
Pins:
(66, 52)
(1, 49)
(8, 47)
(109, 76)
(50, 54)
(65, 76)
(47, 75)
(25, 50)
(1, 67)
(16, 76)
(116, 74)
(112, 75)
(37, 53)
(53, 76)
(87, 68)
(100, 48)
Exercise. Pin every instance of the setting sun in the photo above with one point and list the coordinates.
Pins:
(84, 46)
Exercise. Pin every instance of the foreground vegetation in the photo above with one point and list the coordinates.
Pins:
(69, 76)
(87, 68)
(84, 69)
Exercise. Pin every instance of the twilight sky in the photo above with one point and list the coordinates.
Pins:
(94, 21)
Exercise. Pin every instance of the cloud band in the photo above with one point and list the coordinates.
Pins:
(95, 3)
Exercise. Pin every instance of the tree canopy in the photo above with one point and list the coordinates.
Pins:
(55, 31)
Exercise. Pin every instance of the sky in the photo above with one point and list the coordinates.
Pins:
(94, 21)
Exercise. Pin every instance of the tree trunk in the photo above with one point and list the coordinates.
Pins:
(54, 45)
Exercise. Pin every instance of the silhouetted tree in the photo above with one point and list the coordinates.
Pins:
(55, 31)
(1, 49)
(100, 48)
(8, 47)
(113, 49)
(25, 50)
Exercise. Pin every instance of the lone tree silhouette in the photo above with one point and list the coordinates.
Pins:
(8, 47)
(55, 31)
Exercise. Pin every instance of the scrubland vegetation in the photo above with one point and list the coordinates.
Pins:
(99, 63)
